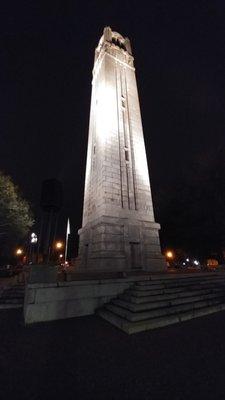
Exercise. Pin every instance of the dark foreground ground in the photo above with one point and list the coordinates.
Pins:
(86, 358)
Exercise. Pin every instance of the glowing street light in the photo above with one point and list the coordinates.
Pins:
(169, 254)
(33, 238)
(19, 252)
(195, 262)
(59, 245)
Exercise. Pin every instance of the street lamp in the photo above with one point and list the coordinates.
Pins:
(59, 245)
(33, 238)
(19, 252)
(32, 247)
(170, 258)
(169, 255)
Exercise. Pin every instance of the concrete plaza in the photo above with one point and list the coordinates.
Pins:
(87, 358)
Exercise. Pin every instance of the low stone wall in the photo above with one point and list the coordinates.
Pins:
(60, 300)
(47, 299)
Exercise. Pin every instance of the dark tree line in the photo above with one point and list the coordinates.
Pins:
(15, 214)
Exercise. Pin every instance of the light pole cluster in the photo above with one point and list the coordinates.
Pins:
(59, 246)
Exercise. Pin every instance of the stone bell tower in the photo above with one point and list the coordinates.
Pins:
(118, 231)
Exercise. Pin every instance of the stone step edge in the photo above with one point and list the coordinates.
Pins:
(11, 301)
(140, 326)
(12, 292)
(162, 312)
(180, 277)
(9, 306)
(168, 296)
(182, 287)
(7, 296)
(171, 302)
(167, 285)
(140, 293)
(152, 292)
(191, 304)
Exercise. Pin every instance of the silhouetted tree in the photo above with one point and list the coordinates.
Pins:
(15, 214)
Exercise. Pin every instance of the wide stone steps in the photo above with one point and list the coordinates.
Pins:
(140, 326)
(136, 298)
(142, 286)
(165, 303)
(12, 297)
(161, 302)
(166, 279)
(159, 312)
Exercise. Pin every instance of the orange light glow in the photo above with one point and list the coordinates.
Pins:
(59, 245)
(169, 254)
(19, 252)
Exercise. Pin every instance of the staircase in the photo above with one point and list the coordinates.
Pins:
(12, 296)
(160, 301)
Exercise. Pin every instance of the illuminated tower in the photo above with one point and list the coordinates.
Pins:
(118, 229)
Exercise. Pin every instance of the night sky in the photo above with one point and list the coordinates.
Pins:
(46, 61)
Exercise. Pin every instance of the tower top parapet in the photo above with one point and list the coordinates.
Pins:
(115, 44)
(116, 39)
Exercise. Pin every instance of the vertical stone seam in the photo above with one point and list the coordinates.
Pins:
(131, 147)
(119, 142)
(125, 140)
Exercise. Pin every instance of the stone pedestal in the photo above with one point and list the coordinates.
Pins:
(120, 244)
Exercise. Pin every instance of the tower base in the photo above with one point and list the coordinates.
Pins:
(120, 244)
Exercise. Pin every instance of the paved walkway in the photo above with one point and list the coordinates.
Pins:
(86, 358)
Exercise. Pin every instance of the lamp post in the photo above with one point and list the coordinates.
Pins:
(33, 243)
(59, 246)
(19, 252)
(169, 257)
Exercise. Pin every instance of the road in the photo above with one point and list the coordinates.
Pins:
(86, 358)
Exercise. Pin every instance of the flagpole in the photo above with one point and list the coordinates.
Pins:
(67, 236)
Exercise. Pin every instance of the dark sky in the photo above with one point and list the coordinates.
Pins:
(46, 60)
